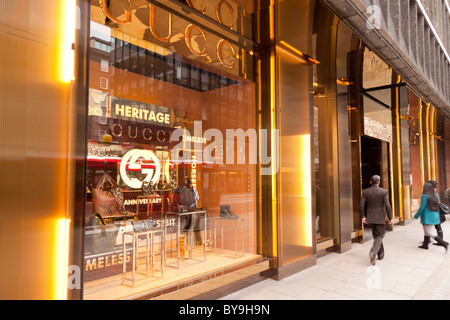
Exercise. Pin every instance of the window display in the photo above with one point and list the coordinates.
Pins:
(162, 193)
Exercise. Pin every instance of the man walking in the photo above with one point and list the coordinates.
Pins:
(374, 201)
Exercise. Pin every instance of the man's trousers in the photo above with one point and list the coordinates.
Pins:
(378, 232)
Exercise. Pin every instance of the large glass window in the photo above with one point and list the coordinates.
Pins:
(171, 170)
(377, 102)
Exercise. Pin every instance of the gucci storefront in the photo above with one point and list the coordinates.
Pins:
(185, 149)
(171, 176)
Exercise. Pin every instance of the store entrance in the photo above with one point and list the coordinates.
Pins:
(374, 161)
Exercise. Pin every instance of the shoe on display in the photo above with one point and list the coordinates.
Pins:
(226, 213)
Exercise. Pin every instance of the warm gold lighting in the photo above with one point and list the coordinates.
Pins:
(60, 258)
(428, 159)
(272, 20)
(274, 151)
(304, 178)
(433, 156)
(287, 48)
(422, 169)
(391, 174)
(399, 151)
(273, 125)
(67, 40)
(64, 68)
(344, 82)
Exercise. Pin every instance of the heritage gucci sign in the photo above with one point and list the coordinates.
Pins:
(140, 112)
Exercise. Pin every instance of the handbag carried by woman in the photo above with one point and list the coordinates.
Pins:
(443, 210)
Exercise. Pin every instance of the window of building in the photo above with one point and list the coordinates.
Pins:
(171, 186)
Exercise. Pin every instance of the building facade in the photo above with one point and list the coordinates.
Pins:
(277, 113)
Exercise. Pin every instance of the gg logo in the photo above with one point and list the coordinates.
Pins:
(130, 163)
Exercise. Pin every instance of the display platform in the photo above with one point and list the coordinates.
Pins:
(112, 289)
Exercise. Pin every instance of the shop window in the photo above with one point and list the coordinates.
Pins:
(141, 232)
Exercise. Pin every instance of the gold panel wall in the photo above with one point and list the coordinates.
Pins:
(34, 148)
(294, 102)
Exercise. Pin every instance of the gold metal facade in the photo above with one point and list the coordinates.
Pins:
(37, 126)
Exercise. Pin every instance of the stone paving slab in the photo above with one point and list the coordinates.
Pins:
(406, 273)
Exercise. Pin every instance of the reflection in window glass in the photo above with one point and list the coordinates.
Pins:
(136, 182)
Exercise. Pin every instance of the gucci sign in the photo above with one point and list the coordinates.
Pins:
(146, 164)
(132, 162)
(165, 30)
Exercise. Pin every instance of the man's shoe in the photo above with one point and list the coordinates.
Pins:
(372, 259)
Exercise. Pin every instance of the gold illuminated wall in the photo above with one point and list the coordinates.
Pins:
(292, 76)
(428, 142)
(426, 134)
(36, 64)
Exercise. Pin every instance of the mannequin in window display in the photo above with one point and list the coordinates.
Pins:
(188, 184)
(193, 197)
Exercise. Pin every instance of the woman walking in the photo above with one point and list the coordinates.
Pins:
(429, 216)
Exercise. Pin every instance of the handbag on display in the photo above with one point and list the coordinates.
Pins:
(148, 188)
(143, 225)
(107, 198)
(100, 237)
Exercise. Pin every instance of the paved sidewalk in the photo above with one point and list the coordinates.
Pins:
(406, 273)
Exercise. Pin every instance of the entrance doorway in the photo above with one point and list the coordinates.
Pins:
(374, 161)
